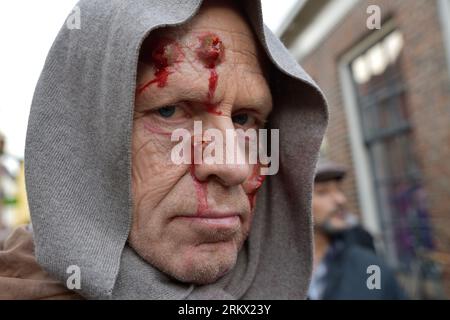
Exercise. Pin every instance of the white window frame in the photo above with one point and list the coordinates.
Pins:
(444, 13)
(364, 176)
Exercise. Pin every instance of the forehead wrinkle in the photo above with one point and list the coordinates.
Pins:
(190, 35)
(242, 55)
(184, 90)
(183, 87)
(235, 42)
(261, 99)
(220, 31)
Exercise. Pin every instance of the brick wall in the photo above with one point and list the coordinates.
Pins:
(428, 94)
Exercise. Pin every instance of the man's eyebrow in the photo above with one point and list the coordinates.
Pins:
(159, 97)
(262, 103)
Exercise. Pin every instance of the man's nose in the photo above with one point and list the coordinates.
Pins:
(229, 171)
(227, 174)
(340, 198)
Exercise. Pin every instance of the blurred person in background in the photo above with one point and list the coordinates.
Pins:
(343, 249)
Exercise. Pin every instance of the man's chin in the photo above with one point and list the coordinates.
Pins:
(206, 263)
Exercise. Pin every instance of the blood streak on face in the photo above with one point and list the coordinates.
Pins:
(200, 189)
(199, 186)
(211, 53)
(253, 184)
(164, 55)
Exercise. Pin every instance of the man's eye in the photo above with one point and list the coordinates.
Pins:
(240, 119)
(167, 112)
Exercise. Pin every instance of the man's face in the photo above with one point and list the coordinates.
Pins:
(190, 221)
(329, 205)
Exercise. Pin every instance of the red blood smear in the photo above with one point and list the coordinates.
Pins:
(210, 107)
(202, 196)
(166, 53)
(213, 78)
(255, 182)
(161, 77)
(211, 53)
(159, 56)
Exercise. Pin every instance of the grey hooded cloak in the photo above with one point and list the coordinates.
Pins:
(78, 162)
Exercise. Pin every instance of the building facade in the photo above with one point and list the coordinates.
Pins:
(388, 87)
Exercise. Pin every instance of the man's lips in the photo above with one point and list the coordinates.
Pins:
(213, 219)
(338, 214)
(209, 214)
(209, 226)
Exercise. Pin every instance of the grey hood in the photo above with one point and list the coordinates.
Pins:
(78, 162)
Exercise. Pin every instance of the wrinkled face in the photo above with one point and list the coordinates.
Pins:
(329, 205)
(191, 220)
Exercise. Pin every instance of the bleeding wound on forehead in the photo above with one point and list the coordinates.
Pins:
(165, 53)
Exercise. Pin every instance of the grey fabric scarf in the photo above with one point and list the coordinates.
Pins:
(78, 162)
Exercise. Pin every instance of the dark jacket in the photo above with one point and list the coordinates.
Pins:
(347, 275)
(360, 236)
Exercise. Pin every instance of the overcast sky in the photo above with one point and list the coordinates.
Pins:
(27, 30)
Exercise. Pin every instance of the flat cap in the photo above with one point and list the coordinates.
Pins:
(329, 170)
